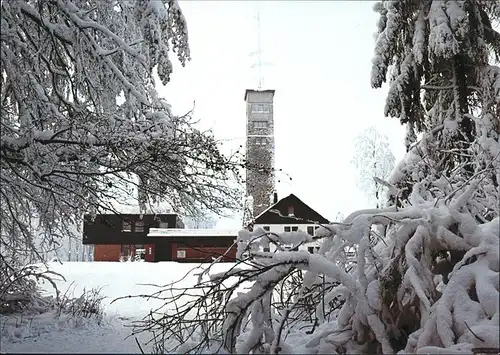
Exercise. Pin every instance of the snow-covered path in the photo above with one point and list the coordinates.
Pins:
(110, 337)
(44, 334)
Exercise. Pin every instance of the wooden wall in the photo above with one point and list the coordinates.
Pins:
(107, 252)
(202, 253)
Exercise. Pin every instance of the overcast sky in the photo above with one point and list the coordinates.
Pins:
(321, 60)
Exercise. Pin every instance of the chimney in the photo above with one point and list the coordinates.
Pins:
(275, 198)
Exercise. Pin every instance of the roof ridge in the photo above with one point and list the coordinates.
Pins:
(274, 204)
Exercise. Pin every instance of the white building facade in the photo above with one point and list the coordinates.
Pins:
(290, 214)
(310, 229)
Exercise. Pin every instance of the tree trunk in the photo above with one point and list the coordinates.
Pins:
(141, 196)
(375, 173)
(460, 97)
(465, 124)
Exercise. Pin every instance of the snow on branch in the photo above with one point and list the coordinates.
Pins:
(82, 123)
(430, 282)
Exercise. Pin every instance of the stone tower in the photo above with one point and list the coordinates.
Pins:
(260, 148)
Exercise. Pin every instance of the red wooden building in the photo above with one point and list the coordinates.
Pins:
(196, 245)
(153, 238)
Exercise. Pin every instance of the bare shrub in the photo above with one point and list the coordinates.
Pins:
(19, 290)
(395, 297)
(20, 293)
(193, 319)
(88, 305)
(191, 315)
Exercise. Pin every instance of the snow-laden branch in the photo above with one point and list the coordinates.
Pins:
(82, 125)
(429, 282)
(406, 280)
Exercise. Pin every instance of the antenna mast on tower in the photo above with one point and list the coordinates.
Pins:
(259, 63)
(259, 52)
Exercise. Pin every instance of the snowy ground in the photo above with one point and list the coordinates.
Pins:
(44, 334)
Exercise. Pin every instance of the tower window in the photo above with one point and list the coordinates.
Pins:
(260, 124)
(261, 108)
(260, 140)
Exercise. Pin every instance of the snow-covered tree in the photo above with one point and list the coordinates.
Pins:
(430, 282)
(247, 211)
(440, 59)
(205, 221)
(82, 123)
(373, 159)
(339, 217)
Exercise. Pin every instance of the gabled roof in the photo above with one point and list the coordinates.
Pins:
(278, 213)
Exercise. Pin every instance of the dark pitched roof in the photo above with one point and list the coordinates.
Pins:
(302, 213)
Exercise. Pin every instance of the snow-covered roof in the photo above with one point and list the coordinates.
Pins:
(174, 232)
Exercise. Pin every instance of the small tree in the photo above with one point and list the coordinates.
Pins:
(373, 159)
(339, 217)
(206, 221)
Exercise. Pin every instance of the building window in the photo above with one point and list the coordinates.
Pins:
(260, 140)
(287, 229)
(163, 225)
(310, 250)
(260, 124)
(310, 230)
(181, 254)
(295, 229)
(266, 228)
(126, 226)
(267, 250)
(261, 108)
(139, 226)
(291, 211)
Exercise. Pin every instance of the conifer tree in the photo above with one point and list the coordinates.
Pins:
(439, 58)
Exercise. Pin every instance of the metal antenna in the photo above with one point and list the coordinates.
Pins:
(259, 63)
(259, 52)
